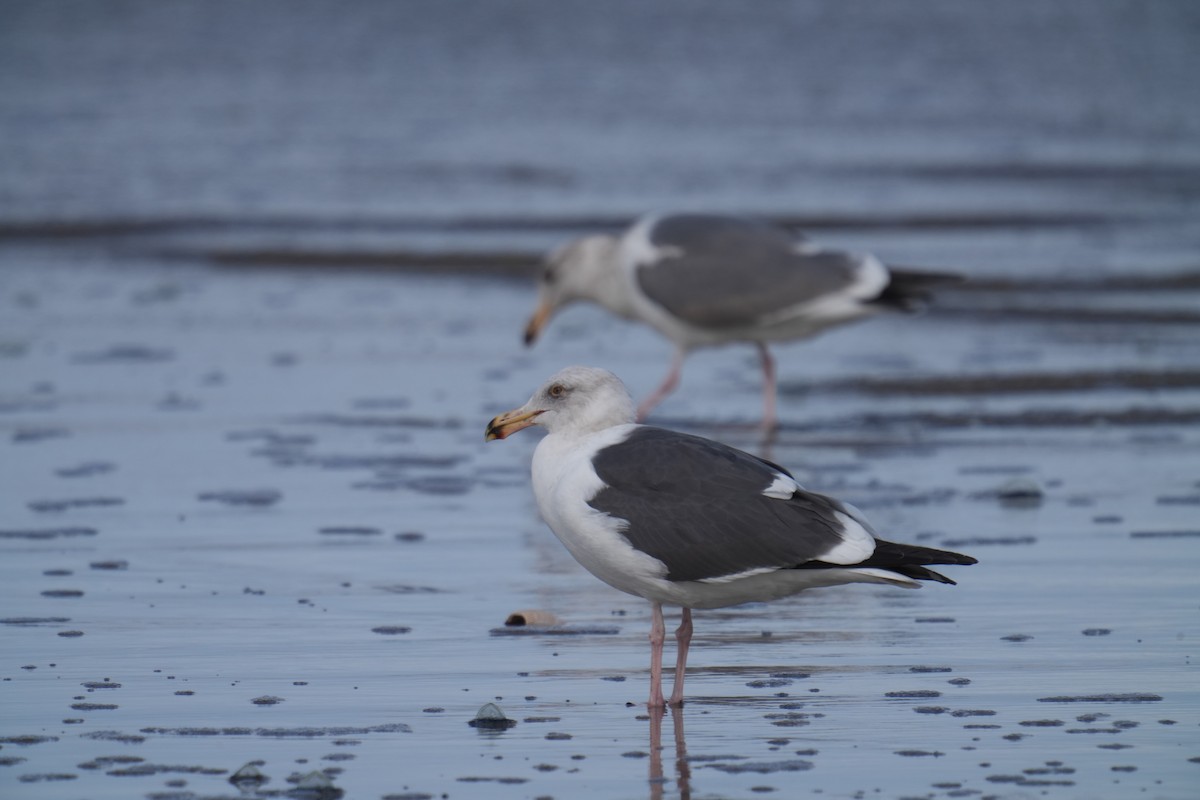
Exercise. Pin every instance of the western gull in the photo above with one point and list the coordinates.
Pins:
(683, 520)
(705, 279)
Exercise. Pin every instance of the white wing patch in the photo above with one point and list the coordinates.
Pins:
(636, 246)
(737, 576)
(782, 488)
(872, 276)
(856, 546)
(887, 576)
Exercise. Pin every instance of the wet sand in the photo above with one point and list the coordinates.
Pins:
(263, 272)
(250, 518)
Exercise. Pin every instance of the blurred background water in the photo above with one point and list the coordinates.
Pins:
(369, 130)
(245, 507)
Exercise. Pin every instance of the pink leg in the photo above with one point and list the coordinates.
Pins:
(768, 364)
(683, 638)
(658, 633)
(668, 386)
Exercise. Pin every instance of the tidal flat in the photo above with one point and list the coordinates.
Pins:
(250, 518)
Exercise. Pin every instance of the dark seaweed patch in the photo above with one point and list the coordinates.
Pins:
(114, 736)
(85, 470)
(988, 541)
(995, 469)
(482, 779)
(1132, 697)
(27, 739)
(142, 770)
(125, 354)
(46, 533)
(388, 464)
(762, 767)
(243, 497)
(400, 588)
(1026, 781)
(349, 530)
(48, 777)
(31, 435)
(282, 733)
(1179, 500)
(555, 630)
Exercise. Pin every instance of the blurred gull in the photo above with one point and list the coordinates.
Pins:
(687, 521)
(703, 280)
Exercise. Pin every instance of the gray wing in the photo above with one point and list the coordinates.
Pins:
(698, 506)
(721, 271)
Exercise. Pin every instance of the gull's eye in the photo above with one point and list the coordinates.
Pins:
(558, 390)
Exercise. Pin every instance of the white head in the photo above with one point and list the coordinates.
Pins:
(575, 400)
(579, 270)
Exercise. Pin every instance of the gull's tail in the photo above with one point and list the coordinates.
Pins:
(910, 560)
(910, 289)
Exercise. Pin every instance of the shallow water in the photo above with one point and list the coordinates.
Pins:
(250, 516)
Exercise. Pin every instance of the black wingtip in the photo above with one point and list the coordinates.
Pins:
(912, 560)
(911, 290)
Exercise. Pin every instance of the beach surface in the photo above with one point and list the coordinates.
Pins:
(255, 317)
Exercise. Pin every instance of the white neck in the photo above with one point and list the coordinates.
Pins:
(604, 278)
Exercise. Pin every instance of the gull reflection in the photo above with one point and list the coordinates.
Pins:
(683, 772)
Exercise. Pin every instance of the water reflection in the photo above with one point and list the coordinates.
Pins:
(683, 772)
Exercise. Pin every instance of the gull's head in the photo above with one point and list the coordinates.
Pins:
(575, 400)
(575, 271)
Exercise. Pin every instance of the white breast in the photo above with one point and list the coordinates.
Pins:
(563, 482)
